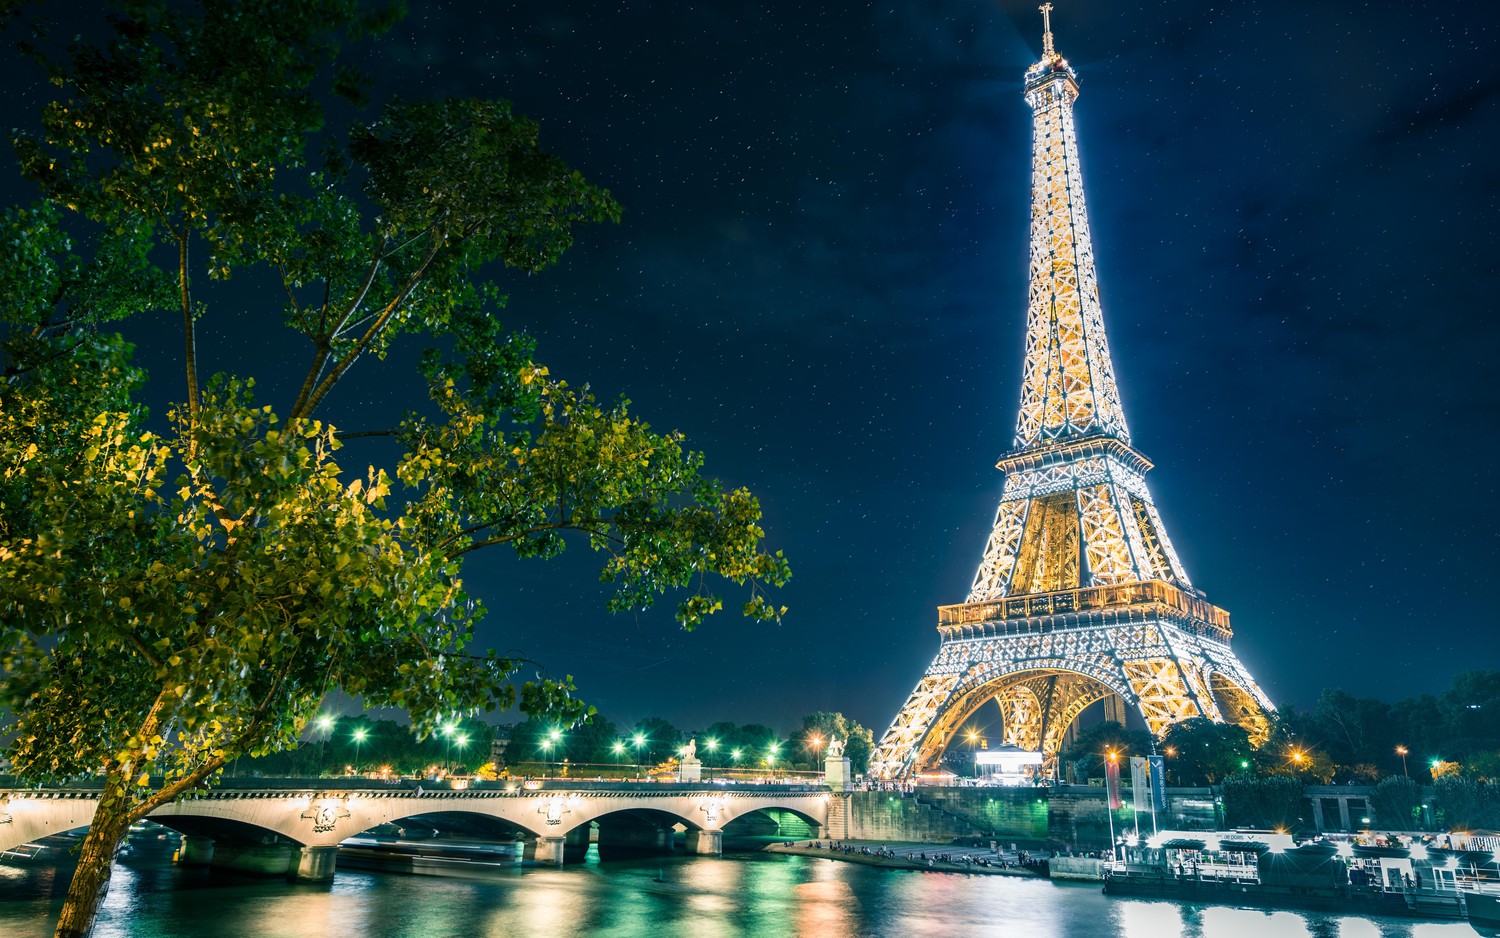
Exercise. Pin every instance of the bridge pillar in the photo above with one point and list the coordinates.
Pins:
(548, 850)
(576, 843)
(196, 851)
(313, 864)
(705, 843)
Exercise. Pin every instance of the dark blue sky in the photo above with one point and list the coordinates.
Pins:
(820, 278)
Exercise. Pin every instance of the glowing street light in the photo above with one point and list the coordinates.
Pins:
(359, 740)
(713, 746)
(324, 723)
(462, 740)
(1402, 751)
(447, 732)
(638, 740)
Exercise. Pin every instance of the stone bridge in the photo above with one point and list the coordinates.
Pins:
(307, 824)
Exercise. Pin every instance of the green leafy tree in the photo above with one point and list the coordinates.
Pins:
(1398, 803)
(1264, 802)
(1465, 803)
(717, 742)
(180, 593)
(1207, 752)
(822, 726)
(659, 740)
(1088, 750)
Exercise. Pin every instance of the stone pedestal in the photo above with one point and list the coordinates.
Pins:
(836, 773)
(196, 851)
(705, 843)
(548, 850)
(690, 770)
(313, 864)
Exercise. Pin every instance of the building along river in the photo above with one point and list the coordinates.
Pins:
(742, 894)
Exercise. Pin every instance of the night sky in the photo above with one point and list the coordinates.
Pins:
(821, 279)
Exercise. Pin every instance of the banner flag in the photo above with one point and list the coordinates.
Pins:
(1139, 792)
(1158, 782)
(1112, 783)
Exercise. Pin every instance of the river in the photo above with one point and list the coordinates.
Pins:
(751, 895)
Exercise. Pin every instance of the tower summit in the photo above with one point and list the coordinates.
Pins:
(1079, 597)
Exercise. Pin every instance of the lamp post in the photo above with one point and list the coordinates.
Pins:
(638, 740)
(1109, 807)
(618, 749)
(771, 753)
(712, 745)
(462, 740)
(1402, 751)
(734, 758)
(324, 723)
(448, 748)
(359, 740)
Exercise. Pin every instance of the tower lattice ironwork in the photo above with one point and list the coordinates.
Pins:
(1079, 597)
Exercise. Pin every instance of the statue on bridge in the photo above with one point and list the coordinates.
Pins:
(836, 747)
(690, 751)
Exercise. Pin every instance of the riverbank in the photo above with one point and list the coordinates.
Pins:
(934, 858)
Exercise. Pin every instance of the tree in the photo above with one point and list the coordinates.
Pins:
(1087, 751)
(1207, 751)
(1263, 801)
(176, 594)
(822, 726)
(659, 740)
(1398, 803)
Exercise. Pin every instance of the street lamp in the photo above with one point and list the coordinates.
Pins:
(462, 740)
(638, 740)
(448, 748)
(359, 740)
(734, 758)
(771, 753)
(1402, 751)
(713, 746)
(324, 723)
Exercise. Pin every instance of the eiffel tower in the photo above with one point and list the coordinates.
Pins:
(1079, 597)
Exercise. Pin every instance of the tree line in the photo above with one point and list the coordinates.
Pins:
(540, 741)
(542, 745)
(1341, 739)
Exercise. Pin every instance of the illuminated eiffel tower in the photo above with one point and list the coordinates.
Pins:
(1080, 597)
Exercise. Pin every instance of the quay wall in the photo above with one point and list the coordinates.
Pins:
(1073, 816)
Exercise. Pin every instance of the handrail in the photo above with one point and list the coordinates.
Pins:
(1088, 599)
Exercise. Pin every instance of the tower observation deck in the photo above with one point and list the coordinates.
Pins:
(1079, 596)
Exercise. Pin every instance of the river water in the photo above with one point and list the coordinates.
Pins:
(751, 895)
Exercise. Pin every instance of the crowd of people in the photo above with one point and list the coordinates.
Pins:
(995, 860)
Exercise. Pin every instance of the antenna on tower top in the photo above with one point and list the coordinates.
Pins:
(1047, 50)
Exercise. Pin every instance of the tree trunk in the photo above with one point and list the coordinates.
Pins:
(91, 880)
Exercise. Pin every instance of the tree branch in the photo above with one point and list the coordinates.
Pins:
(190, 337)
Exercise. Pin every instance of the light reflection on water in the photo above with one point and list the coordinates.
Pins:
(761, 896)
